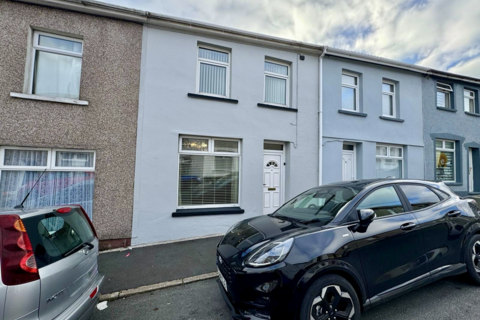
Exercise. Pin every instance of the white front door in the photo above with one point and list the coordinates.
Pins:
(348, 165)
(470, 170)
(272, 182)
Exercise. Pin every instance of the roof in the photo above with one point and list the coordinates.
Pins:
(158, 20)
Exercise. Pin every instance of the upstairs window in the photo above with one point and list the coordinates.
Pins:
(57, 66)
(350, 92)
(469, 101)
(388, 99)
(213, 72)
(276, 83)
(445, 160)
(444, 99)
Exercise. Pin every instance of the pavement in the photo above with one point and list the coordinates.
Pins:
(143, 266)
(450, 298)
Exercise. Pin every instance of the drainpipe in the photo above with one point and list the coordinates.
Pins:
(320, 115)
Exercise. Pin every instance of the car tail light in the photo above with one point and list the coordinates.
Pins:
(18, 260)
(94, 293)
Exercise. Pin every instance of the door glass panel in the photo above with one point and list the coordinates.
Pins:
(384, 202)
(420, 197)
(272, 146)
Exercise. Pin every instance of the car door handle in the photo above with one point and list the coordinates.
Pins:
(408, 226)
(454, 213)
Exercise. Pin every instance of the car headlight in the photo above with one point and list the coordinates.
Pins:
(269, 254)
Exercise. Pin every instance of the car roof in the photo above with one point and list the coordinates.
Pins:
(365, 183)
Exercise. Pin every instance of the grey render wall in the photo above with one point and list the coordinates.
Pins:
(369, 130)
(457, 125)
(165, 112)
(109, 82)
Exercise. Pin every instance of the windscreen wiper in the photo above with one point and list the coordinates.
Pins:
(310, 221)
(80, 246)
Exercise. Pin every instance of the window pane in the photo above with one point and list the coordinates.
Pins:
(386, 87)
(226, 146)
(389, 168)
(396, 152)
(346, 79)
(54, 188)
(272, 146)
(207, 180)
(31, 158)
(449, 145)
(420, 197)
(384, 202)
(74, 159)
(445, 165)
(382, 151)
(194, 144)
(213, 55)
(62, 44)
(387, 105)
(57, 75)
(443, 99)
(348, 147)
(275, 90)
(439, 143)
(213, 79)
(469, 104)
(348, 99)
(276, 68)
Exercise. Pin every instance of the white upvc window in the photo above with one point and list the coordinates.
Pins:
(208, 172)
(213, 71)
(389, 162)
(388, 99)
(444, 95)
(277, 83)
(445, 160)
(469, 100)
(68, 179)
(350, 85)
(56, 66)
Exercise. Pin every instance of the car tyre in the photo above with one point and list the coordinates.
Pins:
(473, 258)
(330, 297)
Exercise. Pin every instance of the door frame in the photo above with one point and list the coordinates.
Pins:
(282, 169)
(470, 175)
(354, 152)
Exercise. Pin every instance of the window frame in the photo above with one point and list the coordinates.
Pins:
(215, 63)
(83, 169)
(211, 153)
(454, 150)
(355, 87)
(388, 156)
(393, 95)
(470, 98)
(448, 90)
(279, 76)
(36, 47)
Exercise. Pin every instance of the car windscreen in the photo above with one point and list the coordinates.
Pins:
(55, 234)
(322, 203)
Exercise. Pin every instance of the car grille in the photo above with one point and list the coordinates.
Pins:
(226, 270)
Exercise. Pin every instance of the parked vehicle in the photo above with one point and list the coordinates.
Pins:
(48, 264)
(337, 250)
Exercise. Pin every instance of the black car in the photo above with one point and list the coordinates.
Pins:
(337, 250)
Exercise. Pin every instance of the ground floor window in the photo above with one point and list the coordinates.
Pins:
(445, 160)
(389, 162)
(208, 172)
(69, 177)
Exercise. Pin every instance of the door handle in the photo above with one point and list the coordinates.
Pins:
(408, 226)
(454, 213)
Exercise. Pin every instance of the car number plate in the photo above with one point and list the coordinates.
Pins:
(222, 280)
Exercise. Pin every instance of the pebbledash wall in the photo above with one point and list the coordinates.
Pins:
(169, 109)
(452, 124)
(110, 76)
(367, 127)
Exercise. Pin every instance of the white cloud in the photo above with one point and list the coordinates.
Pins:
(441, 34)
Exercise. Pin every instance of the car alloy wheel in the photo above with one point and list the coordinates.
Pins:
(333, 304)
(476, 256)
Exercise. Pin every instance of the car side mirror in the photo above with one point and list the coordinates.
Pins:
(366, 216)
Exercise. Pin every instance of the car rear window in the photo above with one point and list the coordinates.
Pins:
(54, 234)
(420, 197)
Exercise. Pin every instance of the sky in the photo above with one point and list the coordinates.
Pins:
(440, 34)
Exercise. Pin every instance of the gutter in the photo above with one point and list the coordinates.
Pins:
(320, 116)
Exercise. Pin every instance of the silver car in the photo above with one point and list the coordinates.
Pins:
(48, 264)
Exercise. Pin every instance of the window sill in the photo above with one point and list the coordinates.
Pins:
(472, 114)
(447, 109)
(206, 211)
(204, 96)
(391, 119)
(49, 99)
(272, 106)
(352, 113)
(474, 193)
(453, 183)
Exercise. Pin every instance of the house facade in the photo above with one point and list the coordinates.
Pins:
(452, 136)
(69, 112)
